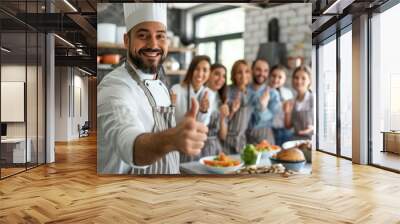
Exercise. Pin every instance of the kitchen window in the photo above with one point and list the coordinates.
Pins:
(217, 36)
(220, 23)
(207, 48)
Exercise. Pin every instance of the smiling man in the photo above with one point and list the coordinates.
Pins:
(265, 102)
(136, 122)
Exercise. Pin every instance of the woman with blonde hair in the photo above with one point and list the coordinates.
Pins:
(240, 107)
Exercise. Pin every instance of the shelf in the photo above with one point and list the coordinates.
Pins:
(110, 46)
(176, 72)
(167, 72)
(104, 67)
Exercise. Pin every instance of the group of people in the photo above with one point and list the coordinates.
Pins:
(256, 106)
(146, 128)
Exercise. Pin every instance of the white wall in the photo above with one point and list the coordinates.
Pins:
(67, 116)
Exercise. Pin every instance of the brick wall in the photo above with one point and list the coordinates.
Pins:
(295, 29)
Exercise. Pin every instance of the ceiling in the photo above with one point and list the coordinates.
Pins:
(330, 15)
(73, 20)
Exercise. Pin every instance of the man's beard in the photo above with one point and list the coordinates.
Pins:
(141, 65)
(255, 80)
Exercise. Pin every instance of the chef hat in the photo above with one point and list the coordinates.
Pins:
(136, 13)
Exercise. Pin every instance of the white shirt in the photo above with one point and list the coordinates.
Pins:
(123, 113)
(182, 102)
(216, 103)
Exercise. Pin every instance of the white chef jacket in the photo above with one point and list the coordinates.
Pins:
(182, 102)
(123, 113)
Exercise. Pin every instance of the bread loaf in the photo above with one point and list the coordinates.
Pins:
(291, 155)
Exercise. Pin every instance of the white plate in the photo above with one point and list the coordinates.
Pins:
(219, 170)
(269, 153)
(291, 144)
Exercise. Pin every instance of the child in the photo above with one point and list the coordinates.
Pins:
(277, 81)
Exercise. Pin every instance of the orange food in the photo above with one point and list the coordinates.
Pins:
(222, 161)
(274, 147)
(265, 145)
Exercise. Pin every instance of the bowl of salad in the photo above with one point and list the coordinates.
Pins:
(220, 164)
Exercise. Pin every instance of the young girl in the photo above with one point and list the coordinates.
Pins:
(277, 81)
(300, 114)
(217, 127)
(240, 103)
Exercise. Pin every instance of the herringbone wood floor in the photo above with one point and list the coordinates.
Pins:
(70, 191)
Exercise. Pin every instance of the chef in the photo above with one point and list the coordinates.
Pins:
(137, 132)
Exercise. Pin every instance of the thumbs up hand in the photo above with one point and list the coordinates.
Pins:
(224, 110)
(194, 109)
(189, 135)
(264, 99)
(204, 103)
(236, 103)
(173, 98)
(288, 106)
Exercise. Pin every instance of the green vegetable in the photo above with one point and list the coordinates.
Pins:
(249, 155)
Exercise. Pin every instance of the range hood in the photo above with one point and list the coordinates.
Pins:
(273, 51)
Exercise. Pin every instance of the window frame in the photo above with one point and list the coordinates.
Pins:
(216, 39)
(44, 40)
(333, 37)
(380, 9)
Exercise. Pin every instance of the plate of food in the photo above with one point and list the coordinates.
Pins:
(220, 164)
(292, 159)
(303, 145)
(267, 150)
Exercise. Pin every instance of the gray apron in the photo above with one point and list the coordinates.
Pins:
(212, 146)
(237, 126)
(164, 118)
(301, 120)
